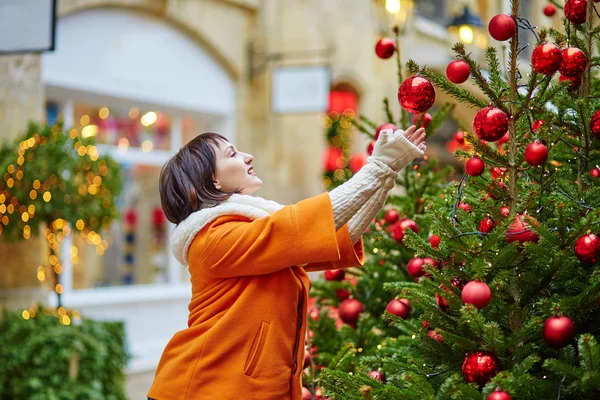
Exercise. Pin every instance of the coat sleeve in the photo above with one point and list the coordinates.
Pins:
(302, 233)
(351, 255)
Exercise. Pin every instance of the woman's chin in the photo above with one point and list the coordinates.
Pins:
(253, 186)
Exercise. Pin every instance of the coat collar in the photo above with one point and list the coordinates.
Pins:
(238, 204)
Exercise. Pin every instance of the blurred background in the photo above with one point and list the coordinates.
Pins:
(145, 76)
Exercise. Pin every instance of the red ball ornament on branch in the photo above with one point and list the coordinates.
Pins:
(385, 48)
(502, 27)
(476, 293)
(537, 124)
(306, 394)
(558, 331)
(458, 71)
(398, 308)
(425, 119)
(575, 11)
(498, 395)
(480, 366)
(416, 94)
(465, 207)
(459, 137)
(575, 82)
(349, 311)
(391, 216)
(573, 62)
(382, 127)
(334, 275)
(536, 153)
(475, 166)
(549, 10)
(356, 162)
(595, 173)
(587, 248)
(342, 294)
(546, 58)
(520, 231)
(490, 124)
(415, 267)
(436, 336)
(377, 375)
(486, 225)
(441, 302)
(399, 227)
(595, 124)
(434, 241)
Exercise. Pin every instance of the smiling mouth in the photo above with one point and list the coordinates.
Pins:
(251, 171)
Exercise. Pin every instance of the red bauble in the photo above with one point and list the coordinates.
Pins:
(537, 125)
(546, 58)
(459, 137)
(486, 225)
(595, 173)
(399, 227)
(342, 294)
(502, 27)
(536, 153)
(558, 331)
(595, 124)
(424, 118)
(575, 11)
(382, 127)
(409, 224)
(416, 94)
(573, 62)
(490, 124)
(306, 394)
(476, 293)
(307, 359)
(406, 302)
(434, 241)
(398, 308)
(441, 302)
(520, 231)
(331, 157)
(415, 267)
(549, 10)
(391, 216)
(465, 207)
(575, 82)
(436, 336)
(458, 71)
(505, 211)
(480, 367)
(378, 376)
(334, 275)
(458, 283)
(498, 172)
(498, 394)
(370, 148)
(356, 162)
(385, 48)
(587, 248)
(475, 166)
(349, 311)
(504, 139)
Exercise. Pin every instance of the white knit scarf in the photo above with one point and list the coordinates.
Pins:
(238, 204)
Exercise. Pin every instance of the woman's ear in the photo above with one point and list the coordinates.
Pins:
(217, 184)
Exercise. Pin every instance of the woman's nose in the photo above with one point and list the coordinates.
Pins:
(249, 158)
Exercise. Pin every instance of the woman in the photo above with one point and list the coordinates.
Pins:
(248, 259)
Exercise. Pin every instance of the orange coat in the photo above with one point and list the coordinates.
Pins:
(247, 321)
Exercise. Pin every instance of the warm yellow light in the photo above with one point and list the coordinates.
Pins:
(392, 6)
(11, 169)
(41, 276)
(25, 314)
(31, 209)
(147, 146)
(47, 196)
(2, 198)
(103, 113)
(25, 217)
(65, 320)
(84, 120)
(36, 184)
(134, 112)
(123, 144)
(89, 131)
(149, 118)
(74, 251)
(2, 208)
(59, 288)
(10, 209)
(465, 33)
(80, 224)
(10, 182)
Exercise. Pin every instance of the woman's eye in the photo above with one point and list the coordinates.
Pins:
(234, 154)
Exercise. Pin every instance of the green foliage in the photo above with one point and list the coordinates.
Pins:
(42, 359)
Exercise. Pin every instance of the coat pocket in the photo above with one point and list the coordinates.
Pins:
(256, 349)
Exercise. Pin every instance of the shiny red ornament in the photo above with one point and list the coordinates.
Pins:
(505, 211)
(384, 126)
(575, 11)
(476, 293)
(306, 394)
(434, 241)
(465, 207)
(490, 124)
(573, 62)
(536, 153)
(546, 58)
(425, 120)
(331, 158)
(436, 336)
(385, 48)
(575, 82)
(398, 308)
(459, 137)
(549, 10)
(486, 225)
(475, 166)
(349, 311)
(558, 331)
(504, 139)
(498, 172)
(480, 366)
(502, 27)
(409, 224)
(399, 227)
(520, 231)
(416, 94)
(537, 124)
(587, 248)
(595, 173)
(415, 267)
(378, 376)
(498, 395)
(441, 302)
(406, 302)
(370, 147)
(458, 283)
(391, 216)
(458, 71)
(342, 294)
(334, 275)
(595, 124)
(356, 162)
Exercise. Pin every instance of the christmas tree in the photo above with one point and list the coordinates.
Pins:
(510, 306)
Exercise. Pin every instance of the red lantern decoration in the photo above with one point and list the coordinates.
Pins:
(458, 71)
(536, 153)
(573, 62)
(502, 27)
(475, 166)
(546, 58)
(385, 48)
(480, 366)
(587, 248)
(490, 124)
(416, 94)
(575, 11)
(558, 331)
(477, 293)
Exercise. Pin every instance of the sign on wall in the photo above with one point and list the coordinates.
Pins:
(300, 89)
(27, 26)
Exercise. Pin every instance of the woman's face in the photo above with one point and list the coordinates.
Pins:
(234, 170)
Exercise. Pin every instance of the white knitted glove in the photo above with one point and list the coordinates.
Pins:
(395, 150)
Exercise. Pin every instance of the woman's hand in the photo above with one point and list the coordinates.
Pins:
(398, 149)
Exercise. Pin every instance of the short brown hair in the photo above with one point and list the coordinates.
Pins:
(186, 180)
